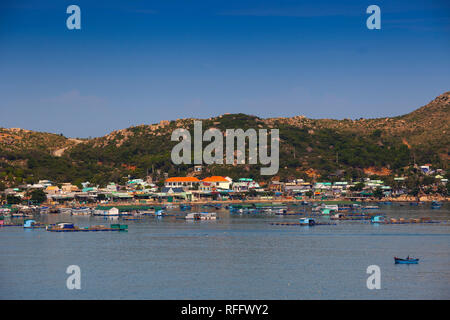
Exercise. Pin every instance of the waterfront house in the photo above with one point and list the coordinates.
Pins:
(216, 182)
(182, 182)
(106, 211)
(244, 185)
(171, 193)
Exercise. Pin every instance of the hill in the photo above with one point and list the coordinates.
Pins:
(309, 148)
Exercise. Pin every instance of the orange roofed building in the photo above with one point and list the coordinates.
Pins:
(217, 182)
(183, 182)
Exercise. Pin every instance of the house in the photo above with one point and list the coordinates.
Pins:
(68, 187)
(45, 183)
(244, 185)
(182, 182)
(172, 190)
(276, 186)
(112, 187)
(52, 190)
(216, 182)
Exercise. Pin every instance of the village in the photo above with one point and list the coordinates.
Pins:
(191, 189)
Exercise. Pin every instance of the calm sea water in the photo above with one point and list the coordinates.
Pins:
(234, 257)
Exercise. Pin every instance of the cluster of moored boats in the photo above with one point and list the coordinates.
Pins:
(341, 211)
(65, 226)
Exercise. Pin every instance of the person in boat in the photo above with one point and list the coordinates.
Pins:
(407, 258)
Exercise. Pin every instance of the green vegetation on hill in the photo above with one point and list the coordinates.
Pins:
(329, 149)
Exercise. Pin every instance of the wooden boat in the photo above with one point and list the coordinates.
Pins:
(408, 260)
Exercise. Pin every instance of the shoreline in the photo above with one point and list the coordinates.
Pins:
(282, 200)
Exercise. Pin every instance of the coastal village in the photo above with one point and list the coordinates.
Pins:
(191, 189)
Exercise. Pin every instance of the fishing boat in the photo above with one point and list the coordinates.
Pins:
(408, 260)
(62, 227)
(31, 224)
(201, 216)
(436, 205)
(159, 213)
(378, 219)
(82, 211)
(371, 207)
(64, 210)
(307, 222)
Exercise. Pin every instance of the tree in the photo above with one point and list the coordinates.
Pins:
(357, 187)
(38, 196)
(414, 191)
(10, 199)
(378, 193)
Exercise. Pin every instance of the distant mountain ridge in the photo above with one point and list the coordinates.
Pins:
(325, 146)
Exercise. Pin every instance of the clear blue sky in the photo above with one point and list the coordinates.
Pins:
(136, 62)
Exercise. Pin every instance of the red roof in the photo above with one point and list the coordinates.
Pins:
(215, 179)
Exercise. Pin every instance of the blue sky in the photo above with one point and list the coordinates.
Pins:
(138, 62)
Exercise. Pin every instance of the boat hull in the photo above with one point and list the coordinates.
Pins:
(404, 261)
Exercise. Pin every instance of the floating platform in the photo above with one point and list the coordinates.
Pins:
(352, 217)
(69, 227)
(301, 224)
(133, 218)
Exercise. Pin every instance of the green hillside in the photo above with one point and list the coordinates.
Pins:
(320, 148)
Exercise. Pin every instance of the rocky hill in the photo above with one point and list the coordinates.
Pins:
(324, 148)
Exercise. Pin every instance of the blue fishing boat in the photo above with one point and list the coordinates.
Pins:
(307, 222)
(30, 224)
(378, 219)
(436, 205)
(408, 260)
